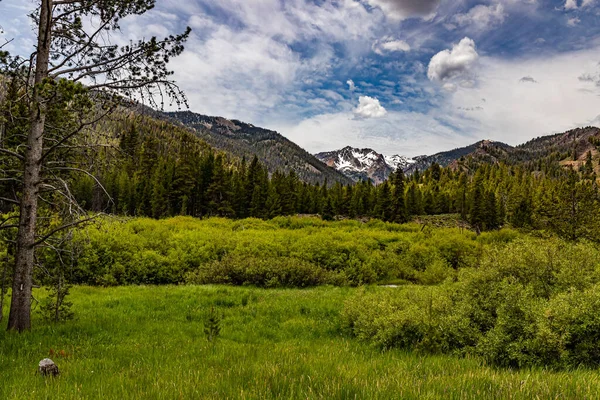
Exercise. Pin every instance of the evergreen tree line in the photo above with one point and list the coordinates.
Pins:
(160, 173)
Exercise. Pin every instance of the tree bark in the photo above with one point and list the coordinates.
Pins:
(20, 308)
(3, 289)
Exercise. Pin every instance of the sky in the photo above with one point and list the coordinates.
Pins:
(408, 77)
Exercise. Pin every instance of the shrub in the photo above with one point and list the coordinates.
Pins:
(413, 318)
(459, 251)
(569, 329)
(273, 272)
(531, 302)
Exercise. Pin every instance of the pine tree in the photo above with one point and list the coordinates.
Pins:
(383, 206)
(414, 201)
(273, 204)
(399, 213)
(478, 203)
(327, 213)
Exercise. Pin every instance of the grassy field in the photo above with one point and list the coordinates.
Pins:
(148, 342)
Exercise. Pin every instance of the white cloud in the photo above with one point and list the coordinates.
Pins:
(388, 45)
(450, 87)
(501, 107)
(573, 21)
(406, 133)
(369, 107)
(403, 9)
(481, 17)
(351, 85)
(565, 96)
(573, 4)
(254, 72)
(454, 64)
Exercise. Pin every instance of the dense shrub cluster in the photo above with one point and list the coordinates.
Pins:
(272, 272)
(531, 302)
(285, 251)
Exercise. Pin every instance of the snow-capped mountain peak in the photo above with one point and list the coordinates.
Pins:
(363, 164)
(398, 161)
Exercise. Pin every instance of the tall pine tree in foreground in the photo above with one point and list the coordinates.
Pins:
(68, 55)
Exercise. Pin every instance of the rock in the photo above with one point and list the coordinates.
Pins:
(47, 367)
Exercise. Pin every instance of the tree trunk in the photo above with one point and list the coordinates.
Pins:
(20, 307)
(3, 289)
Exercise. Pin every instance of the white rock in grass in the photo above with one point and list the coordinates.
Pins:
(47, 367)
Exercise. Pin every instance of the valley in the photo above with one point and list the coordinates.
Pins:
(148, 251)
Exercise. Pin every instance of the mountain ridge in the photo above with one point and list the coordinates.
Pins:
(245, 140)
(564, 149)
(363, 164)
(349, 164)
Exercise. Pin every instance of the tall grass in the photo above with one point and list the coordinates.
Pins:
(148, 343)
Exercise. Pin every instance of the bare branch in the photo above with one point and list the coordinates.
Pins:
(9, 219)
(75, 132)
(63, 2)
(9, 200)
(88, 174)
(84, 47)
(6, 42)
(62, 228)
(12, 154)
(120, 60)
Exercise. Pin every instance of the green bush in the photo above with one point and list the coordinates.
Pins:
(528, 302)
(569, 329)
(459, 251)
(273, 272)
(415, 318)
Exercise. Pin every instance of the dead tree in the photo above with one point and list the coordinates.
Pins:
(74, 78)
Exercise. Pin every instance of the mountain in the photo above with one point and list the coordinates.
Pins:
(484, 150)
(569, 148)
(363, 164)
(246, 140)
(574, 143)
(350, 164)
(399, 162)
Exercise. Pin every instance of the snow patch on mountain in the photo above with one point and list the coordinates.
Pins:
(364, 164)
(398, 161)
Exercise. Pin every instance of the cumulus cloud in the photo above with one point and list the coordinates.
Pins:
(500, 107)
(481, 17)
(389, 45)
(455, 64)
(369, 107)
(573, 4)
(237, 66)
(516, 112)
(588, 77)
(573, 21)
(419, 133)
(450, 87)
(402, 9)
(351, 85)
(469, 109)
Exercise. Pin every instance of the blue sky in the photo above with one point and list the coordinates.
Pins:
(400, 76)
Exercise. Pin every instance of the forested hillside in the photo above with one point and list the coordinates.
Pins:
(274, 151)
(161, 171)
(136, 165)
(543, 153)
(152, 168)
(485, 149)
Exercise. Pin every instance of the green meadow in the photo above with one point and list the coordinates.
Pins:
(148, 342)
